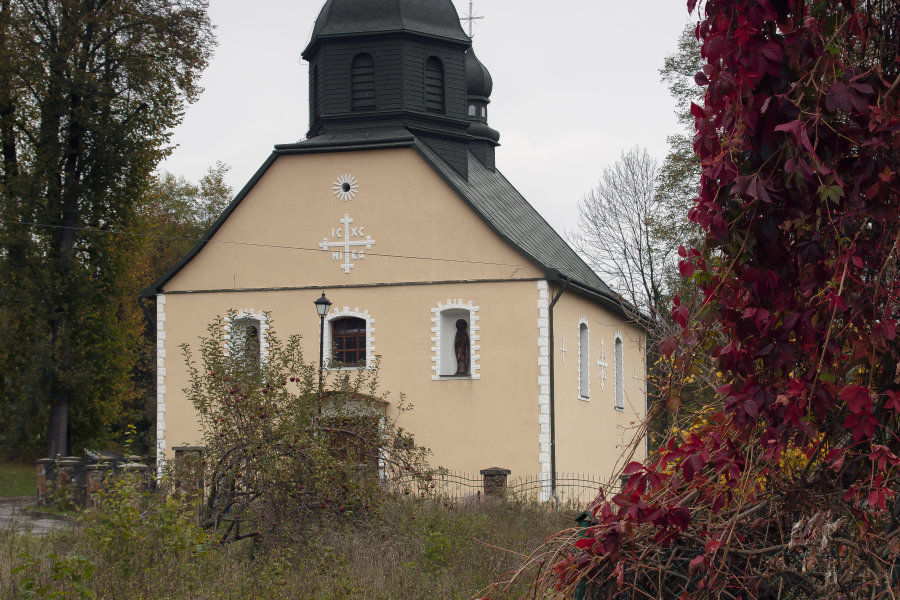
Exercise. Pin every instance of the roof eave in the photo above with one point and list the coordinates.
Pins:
(317, 40)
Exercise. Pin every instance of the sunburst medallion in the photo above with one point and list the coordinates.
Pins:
(346, 187)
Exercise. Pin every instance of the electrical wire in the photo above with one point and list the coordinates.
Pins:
(273, 246)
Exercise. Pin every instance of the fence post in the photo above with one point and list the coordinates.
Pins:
(495, 481)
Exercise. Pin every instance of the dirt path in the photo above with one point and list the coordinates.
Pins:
(13, 517)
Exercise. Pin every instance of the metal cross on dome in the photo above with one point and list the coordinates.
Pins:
(349, 247)
(471, 18)
(602, 365)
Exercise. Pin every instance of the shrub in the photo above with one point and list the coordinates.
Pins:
(282, 448)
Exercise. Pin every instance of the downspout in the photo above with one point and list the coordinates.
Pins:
(553, 393)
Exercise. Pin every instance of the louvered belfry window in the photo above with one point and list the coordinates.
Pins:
(434, 85)
(362, 82)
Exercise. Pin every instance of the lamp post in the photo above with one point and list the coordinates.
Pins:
(322, 306)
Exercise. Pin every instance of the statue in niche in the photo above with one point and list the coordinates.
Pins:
(461, 347)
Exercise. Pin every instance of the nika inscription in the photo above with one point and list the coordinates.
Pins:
(351, 247)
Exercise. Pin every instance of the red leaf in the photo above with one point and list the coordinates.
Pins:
(712, 546)
(697, 560)
(668, 347)
(857, 398)
(585, 543)
(862, 425)
(697, 111)
(632, 468)
(690, 5)
(893, 401)
(751, 409)
(772, 51)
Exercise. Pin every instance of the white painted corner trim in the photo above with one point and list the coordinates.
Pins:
(474, 338)
(244, 314)
(160, 382)
(582, 320)
(370, 336)
(543, 342)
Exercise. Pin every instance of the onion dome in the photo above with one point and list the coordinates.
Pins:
(432, 18)
(478, 80)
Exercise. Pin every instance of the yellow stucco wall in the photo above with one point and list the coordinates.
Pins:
(425, 236)
(592, 434)
(422, 230)
(468, 424)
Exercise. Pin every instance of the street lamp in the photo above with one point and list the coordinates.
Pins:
(322, 306)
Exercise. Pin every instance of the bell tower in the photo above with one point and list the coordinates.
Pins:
(392, 68)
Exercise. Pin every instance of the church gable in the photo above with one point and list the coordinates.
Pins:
(349, 218)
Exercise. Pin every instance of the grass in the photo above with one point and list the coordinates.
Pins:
(18, 479)
(411, 550)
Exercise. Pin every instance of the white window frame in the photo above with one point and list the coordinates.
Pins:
(474, 340)
(619, 373)
(246, 315)
(370, 337)
(586, 359)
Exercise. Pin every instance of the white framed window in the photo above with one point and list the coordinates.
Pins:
(349, 339)
(450, 324)
(584, 359)
(619, 371)
(246, 332)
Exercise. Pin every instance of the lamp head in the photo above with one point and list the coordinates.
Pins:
(322, 305)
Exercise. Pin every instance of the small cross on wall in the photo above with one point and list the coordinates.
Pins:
(602, 365)
(562, 348)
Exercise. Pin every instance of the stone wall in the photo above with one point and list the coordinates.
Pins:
(77, 480)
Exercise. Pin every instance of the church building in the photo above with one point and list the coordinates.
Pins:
(512, 351)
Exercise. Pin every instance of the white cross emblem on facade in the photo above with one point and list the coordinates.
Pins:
(602, 365)
(348, 246)
(562, 348)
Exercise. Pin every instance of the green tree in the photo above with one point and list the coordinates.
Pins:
(89, 93)
(177, 213)
(679, 177)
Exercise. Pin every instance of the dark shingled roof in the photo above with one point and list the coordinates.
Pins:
(436, 18)
(478, 79)
(508, 213)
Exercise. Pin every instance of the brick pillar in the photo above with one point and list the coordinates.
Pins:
(46, 471)
(495, 481)
(94, 478)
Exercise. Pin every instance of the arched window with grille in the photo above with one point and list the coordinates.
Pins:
(434, 85)
(362, 82)
(620, 373)
(584, 362)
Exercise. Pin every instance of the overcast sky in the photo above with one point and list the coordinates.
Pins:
(576, 82)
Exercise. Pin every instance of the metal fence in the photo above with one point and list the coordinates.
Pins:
(574, 488)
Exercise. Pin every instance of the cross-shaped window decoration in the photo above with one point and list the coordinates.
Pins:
(602, 365)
